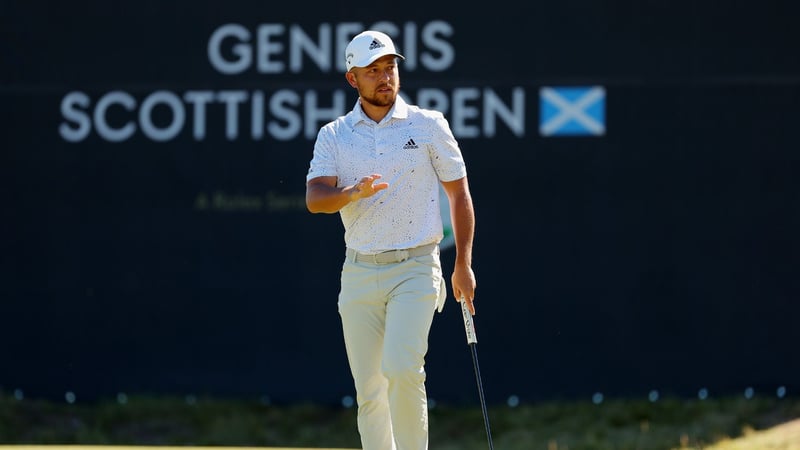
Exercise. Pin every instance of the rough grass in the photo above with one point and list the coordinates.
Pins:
(667, 424)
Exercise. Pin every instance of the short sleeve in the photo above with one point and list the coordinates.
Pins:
(323, 161)
(446, 155)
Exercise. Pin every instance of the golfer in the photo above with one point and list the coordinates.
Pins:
(380, 167)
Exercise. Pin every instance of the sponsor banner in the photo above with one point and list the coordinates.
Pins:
(154, 160)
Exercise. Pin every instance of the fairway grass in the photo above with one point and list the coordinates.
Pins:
(160, 423)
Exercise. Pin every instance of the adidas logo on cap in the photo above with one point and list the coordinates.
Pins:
(375, 44)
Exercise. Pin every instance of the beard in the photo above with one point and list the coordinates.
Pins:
(381, 100)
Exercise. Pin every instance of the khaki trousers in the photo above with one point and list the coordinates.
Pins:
(386, 312)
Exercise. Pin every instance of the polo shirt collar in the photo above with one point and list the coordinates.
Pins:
(399, 111)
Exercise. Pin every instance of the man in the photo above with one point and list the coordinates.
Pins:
(380, 167)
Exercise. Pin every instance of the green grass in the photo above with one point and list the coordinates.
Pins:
(575, 425)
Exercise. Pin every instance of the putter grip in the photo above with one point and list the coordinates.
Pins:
(469, 326)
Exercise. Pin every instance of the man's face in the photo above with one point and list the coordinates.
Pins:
(378, 83)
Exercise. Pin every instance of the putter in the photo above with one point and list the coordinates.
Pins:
(472, 340)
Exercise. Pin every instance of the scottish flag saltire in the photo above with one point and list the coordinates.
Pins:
(572, 111)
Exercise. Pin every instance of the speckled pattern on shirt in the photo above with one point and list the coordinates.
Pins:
(413, 149)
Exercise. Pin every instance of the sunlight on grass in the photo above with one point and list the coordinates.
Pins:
(781, 437)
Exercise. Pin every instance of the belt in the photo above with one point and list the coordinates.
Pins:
(391, 256)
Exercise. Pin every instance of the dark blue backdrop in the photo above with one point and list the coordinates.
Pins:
(660, 255)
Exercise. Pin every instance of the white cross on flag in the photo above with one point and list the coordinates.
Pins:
(572, 111)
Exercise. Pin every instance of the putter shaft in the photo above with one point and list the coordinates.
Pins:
(472, 341)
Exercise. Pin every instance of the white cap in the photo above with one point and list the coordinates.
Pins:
(368, 46)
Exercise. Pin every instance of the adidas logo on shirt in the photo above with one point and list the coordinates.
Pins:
(410, 144)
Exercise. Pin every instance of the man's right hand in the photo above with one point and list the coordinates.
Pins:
(367, 187)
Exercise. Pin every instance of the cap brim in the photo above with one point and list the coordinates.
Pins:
(374, 58)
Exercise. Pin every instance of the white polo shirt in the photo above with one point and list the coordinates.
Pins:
(413, 149)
